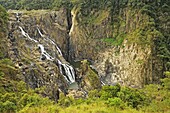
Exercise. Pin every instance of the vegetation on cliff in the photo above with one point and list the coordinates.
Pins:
(16, 96)
(3, 29)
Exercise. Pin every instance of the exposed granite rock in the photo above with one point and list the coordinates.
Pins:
(132, 66)
(36, 70)
(51, 23)
(118, 51)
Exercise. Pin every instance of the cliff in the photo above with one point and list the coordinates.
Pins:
(85, 56)
(121, 43)
(34, 41)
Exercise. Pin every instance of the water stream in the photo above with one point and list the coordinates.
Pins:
(65, 68)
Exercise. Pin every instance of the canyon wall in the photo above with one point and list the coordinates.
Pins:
(121, 50)
(34, 41)
(120, 47)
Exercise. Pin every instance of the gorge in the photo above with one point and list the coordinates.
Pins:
(128, 64)
(75, 52)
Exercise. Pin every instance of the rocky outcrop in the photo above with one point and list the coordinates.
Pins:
(89, 78)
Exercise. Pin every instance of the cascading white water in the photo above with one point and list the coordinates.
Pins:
(69, 74)
(69, 71)
(40, 32)
(22, 31)
(17, 17)
(43, 52)
(72, 71)
(58, 49)
(51, 41)
(26, 34)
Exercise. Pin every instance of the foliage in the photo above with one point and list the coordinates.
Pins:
(93, 94)
(65, 101)
(132, 97)
(166, 81)
(7, 106)
(109, 91)
(126, 99)
(3, 30)
(117, 41)
(91, 78)
(36, 4)
(57, 4)
(15, 95)
(159, 97)
(117, 102)
(3, 18)
(26, 4)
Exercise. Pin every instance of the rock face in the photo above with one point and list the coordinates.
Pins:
(35, 39)
(121, 50)
(132, 66)
(50, 23)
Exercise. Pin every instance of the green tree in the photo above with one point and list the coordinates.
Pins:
(166, 81)
(9, 107)
(109, 91)
(133, 97)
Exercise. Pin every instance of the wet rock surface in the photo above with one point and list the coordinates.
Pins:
(35, 39)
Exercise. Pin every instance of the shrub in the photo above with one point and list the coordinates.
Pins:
(166, 81)
(109, 91)
(65, 101)
(8, 107)
(93, 94)
(134, 98)
(33, 100)
(117, 102)
(79, 101)
(8, 97)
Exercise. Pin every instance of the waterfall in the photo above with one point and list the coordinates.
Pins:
(58, 49)
(17, 17)
(43, 52)
(73, 22)
(69, 71)
(26, 34)
(65, 69)
(40, 32)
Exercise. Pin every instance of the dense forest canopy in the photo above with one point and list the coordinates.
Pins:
(49, 4)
